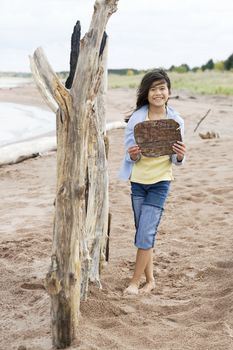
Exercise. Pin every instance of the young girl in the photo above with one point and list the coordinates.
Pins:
(150, 177)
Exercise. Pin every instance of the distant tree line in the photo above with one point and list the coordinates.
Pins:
(125, 71)
(15, 74)
(226, 65)
(210, 65)
(183, 68)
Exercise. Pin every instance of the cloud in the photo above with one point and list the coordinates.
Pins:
(142, 34)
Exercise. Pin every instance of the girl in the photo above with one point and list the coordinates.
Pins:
(150, 177)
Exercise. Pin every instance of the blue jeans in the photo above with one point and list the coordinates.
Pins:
(148, 202)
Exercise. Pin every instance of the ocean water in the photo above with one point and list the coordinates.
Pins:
(10, 82)
(20, 122)
(27, 130)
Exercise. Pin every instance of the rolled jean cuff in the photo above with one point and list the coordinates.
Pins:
(148, 223)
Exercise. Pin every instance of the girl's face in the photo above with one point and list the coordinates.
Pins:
(158, 94)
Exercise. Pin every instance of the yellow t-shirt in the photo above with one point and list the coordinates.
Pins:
(149, 170)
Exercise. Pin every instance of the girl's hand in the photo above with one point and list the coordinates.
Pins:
(134, 152)
(180, 150)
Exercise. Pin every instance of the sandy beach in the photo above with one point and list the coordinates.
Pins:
(192, 304)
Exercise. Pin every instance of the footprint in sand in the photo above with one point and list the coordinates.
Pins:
(225, 264)
(32, 286)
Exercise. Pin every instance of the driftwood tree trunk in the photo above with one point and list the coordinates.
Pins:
(97, 205)
(78, 238)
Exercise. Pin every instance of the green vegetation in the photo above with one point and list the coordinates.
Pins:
(124, 81)
(183, 68)
(207, 82)
(228, 64)
(210, 65)
(212, 78)
(219, 66)
(124, 71)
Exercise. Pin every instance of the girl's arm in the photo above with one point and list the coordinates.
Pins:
(132, 151)
(180, 150)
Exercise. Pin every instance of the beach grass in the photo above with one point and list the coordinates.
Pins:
(205, 83)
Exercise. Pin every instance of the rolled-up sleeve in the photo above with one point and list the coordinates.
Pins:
(129, 140)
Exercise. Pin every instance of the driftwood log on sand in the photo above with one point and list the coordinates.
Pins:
(81, 211)
(209, 135)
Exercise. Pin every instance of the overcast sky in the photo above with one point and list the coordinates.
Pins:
(142, 33)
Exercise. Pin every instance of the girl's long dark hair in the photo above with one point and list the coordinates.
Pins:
(144, 87)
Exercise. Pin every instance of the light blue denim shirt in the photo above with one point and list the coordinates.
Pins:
(137, 117)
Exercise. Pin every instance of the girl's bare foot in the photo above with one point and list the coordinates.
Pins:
(149, 286)
(132, 289)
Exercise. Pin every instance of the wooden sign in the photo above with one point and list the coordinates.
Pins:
(156, 137)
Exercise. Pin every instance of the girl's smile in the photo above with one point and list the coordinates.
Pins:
(158, 94)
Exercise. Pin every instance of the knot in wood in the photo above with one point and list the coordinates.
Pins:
(22, 347)
(62, 190)
(106, 144)
(97, 4)
(54, 266)
(72, 278)
(79, 191)
(90, 106)
(113, 5)
(52, 283)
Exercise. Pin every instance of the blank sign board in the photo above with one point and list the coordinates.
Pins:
(156, 137)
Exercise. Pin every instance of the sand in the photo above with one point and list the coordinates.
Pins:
(192, 304)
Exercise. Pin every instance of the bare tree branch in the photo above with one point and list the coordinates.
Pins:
(201, 120)
(45, 93)
(50, 80)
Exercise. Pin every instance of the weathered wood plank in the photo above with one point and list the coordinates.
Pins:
(156, 137)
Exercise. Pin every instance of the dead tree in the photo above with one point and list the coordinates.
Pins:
(80, 225)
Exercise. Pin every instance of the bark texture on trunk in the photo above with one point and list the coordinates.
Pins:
(81, 209)
(97, 205)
